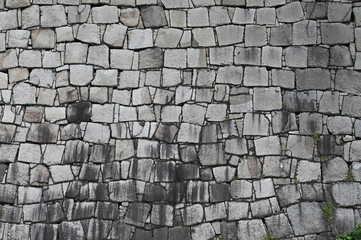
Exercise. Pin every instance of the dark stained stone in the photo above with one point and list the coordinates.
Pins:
(188, 153)
(187, 172)
(219, 192)
(101, 153)
(83, 210)
(300, 101)
(151, 58)
(209, 134)
(79, 112)
(33, 114)
(89, 172)
(153, 192)
(120, 231)
(98, 191)
(328, 146)
(166, 133)
(73, 189)
(111, 171)
(160, 233)
(56, 213)
(176, 192)
(71, 230)
(141, 234)
(8, 193)
(76, 152)
(318, 56)
(165, 171)
(98, 229)
(10, 214)
(180, 233)
(7, 133)
(107, 210)
(123, 191)
(197, 191)
(43, 133)
(43, 231)
(153, 16)
(137, 213)
(70, 131)
(39, 175)
(229, 230)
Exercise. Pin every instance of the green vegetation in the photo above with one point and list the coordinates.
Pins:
(217, 238)
(269, 236)
(355, 234)
(323, 159)
(349, 176)
(316, 136)
(328, 210)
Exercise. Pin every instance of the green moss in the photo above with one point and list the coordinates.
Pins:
(269, 236)
(327, 212)
(349, 176)
(316, 136)
(355, 234)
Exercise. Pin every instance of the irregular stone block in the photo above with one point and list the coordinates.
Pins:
(203, 37)
(40, 231)
(316, 10)
(255, 35)
(211, 154)
(334, 170)
(300, 146)
(105, 14)
(229, 34)
(305, 33)
(308, 171)
(219, 192)
(203, 231)
(8, 20)
(114, 35)
(28, 195)
(162, 215)
(35, 212)
(137, 213)
(61, 173)
(279, 225)
(346, 81)
(9, 193)
(53, 16)
(340, 56)
(307, 218)
(43, 133)
(81, 75)
(243, 16)
(97, 133)
(98, 56)
(339, 12)
(328, 145)
(317, 56)
(339, 125)
(140, 38)
(76, 152)
(78, 14)
(197, 192)
(89, 33)
(291, 12)
(310, 123)
(336, 33)
(7, 133)
(351, 106)
(272, 56)
(18, 38)
(30, 17)
(255, 124)
(251, 229)
(153, 16)
(68, 230)
(43, 38)
(9, 59)
(27, 58)
(79, 112)
(42, 77)
(18, 173)
(13, 214)
(178, 4)
(281, 35)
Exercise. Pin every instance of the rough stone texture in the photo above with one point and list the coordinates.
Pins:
(179, 119)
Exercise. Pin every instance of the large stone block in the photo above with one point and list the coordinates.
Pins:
(153, 16)
(43, 133)
(336, 33)
(53, 16)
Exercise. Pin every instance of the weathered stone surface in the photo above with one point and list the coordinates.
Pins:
(153, 16)
(300, 146)
(305, 32)
(251, 229)
(137, 213)
(9, 59)
(76, 152)
(98, 56)
(351, 106)
(8, 20)
(81, 75)
(67, 230)
(43, 133)
(346, 81)
(53, 16)
(203, 231)
(336, 33)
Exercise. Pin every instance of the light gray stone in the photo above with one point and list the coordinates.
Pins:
(310, 123)
(215, 212)
(29, 153)
(28, 195)
(97, 133)
(334, 170)
(249, 167)
(264, 188)
(89, 33)
(255, 35)
(18, 38)
(78, 14)
(346, 194)
(229, 34)
(339, 12)
(339, 125)
(105, 14)
(211, 154)
(203, 37)
(340, 56)
(198, 17)
(218, 15)
(76, 52)
(114, 35)
(9, 20)
(42, 77)
(129, 16)
(308, 171)
(247, 56)
(177, 4)
(9, 59)
(43, 38)
(53, 16)
(267, 146)
(291, 12)
(346, 81)
(355, 150)
(267, 99)
(296, 57)
(140, 38)
(261, 128)
(221, 55)
(81, 75)
(236, 146)
(162, 215)
(30, 17)
(281, 35)
(266, 16)
(272, 56)
(203, 231)
(99, 56)
(230, 75)
(279, 225)
(168, 37)
(305, 32)
(192, 215)
(196, 58)
(351, 106)
(251, 229)
(307, 218)
(24, 93)
(300, 146)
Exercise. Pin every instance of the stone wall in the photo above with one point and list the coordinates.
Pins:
(179, 119)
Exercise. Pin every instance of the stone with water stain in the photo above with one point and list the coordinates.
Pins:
(137, 213)
(68, 230)
(203, 231)
(307, 218)
(300, 101)
(162, 215)
(43, 133)
(153, 17)
(300, 146)
(310, 123)
(251, 229)
(211, 154)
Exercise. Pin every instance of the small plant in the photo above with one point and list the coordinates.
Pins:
(316, 136)
(284, 106)
(355, 234)
(226, 119)
(327, 212)
(323, 159)
(296, 181)
(349, 176)
(269, 236)
(218, 238)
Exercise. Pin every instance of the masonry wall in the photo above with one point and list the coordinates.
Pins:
(179, 119)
